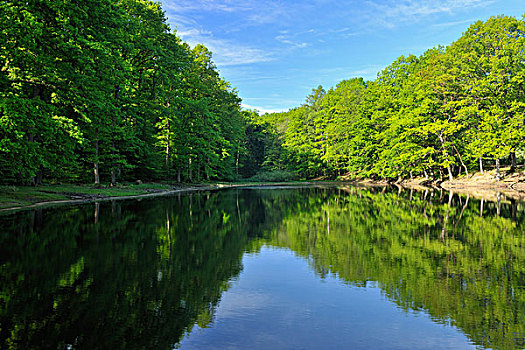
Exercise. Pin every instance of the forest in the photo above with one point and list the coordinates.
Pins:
(104, 91)
(448, 112)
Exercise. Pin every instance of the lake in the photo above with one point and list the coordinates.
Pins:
(266, 268)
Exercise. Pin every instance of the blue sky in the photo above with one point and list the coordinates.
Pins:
(275, 51)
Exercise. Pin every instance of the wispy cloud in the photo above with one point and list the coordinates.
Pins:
(253, 11)
(367, 72)
(184, 16)
(286, 40)
(262, 110)
(296, 39)
(393, 12)
(225, 52)
(453, 23)
(209, 5)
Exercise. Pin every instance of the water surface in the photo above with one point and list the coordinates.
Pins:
(299, 268)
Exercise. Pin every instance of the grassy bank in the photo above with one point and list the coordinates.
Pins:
(22, 196)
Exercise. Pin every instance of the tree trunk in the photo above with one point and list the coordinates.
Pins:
(31, 139)
(113, 177)
(190, 175)
(113, 148)
(39, 176)
(113, 167)
(461, 160)
(38, 92)
(512, 161)
(498, 173)
(95, 163)
(445, 153)
(178, 174)
(481, 165)
(167, 160)
(237, 162)
(96, 173)
(450, 176)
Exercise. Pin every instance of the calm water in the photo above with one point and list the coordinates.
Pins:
(302, 268)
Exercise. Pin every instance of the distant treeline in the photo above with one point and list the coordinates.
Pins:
(451, 110)
(104, 91)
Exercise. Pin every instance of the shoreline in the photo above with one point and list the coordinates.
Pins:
(489, 190)
(93, 198)
(103, 198)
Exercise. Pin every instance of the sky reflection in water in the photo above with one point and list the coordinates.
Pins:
(278, 302)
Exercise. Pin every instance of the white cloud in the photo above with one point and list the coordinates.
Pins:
(225, 52)
(262, 110)
(454, 23)
(183, 15)
(207, 5)
(253, 11)
(286, 40)
(189, 33)
(342, 30)
(391, 13)
(367, 72)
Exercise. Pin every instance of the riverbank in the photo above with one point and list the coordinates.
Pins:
(485, 185)
(479, 185)
(22, 197)
(482, 186)
(14, 198)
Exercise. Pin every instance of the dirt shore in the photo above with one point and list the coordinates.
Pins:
(482, 186)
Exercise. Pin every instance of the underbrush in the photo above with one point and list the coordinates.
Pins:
(274, 176)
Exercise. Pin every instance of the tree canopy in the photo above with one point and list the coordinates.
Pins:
(104, 91)
(437, 115)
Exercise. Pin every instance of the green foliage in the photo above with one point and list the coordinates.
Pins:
(273, 176)
(105, 88)
(435, 115)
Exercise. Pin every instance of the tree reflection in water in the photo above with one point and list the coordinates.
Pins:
(141, 274)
